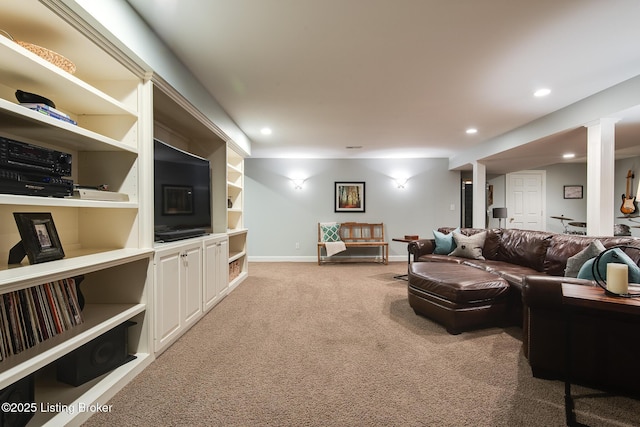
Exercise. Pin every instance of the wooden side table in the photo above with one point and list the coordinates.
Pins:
(575, 297)
(407, 241)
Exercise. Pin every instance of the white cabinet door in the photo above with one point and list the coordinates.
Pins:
(192, 284)
(167, 298)
(215, 271)
(178, 291)
(222, 281)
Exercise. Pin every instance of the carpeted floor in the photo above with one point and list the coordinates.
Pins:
(299, 344)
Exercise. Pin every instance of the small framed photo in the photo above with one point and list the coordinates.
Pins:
(40, 241)
(349, 197)
(573, 191)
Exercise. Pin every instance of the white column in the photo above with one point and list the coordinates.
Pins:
(479, 195)
(600, 173)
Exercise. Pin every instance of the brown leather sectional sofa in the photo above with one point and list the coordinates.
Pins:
(532, 264)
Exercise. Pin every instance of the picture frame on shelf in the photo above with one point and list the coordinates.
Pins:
(40, 241)
(349, 197)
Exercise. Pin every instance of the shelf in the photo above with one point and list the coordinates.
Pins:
(98, 319)
(234, 161)
(236, 255)
(96, 391)
(80, 262)
(235, 187)
(69, 202)
(237, 231)
(31, 124)
(234, 170)
(22, 69)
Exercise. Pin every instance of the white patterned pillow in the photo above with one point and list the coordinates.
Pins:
(469, 246)
(330, 232)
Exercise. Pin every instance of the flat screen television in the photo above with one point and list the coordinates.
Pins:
(182, 193)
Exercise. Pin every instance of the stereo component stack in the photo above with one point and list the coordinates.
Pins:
(31, 170)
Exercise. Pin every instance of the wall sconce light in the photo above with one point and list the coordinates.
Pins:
(297, 183)
(401, 182)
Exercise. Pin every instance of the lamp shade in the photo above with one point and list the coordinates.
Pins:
(499, 212)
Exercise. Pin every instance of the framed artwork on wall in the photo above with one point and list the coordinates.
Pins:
(349, 197)
(573, 191)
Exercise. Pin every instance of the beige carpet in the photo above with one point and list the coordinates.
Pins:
(299, 344)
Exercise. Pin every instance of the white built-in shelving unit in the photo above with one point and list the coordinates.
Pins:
(104, 241)
(119, 105)
(238, 261)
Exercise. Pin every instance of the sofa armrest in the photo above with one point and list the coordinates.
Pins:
(541, 291)
(543, 323)
(421, 247)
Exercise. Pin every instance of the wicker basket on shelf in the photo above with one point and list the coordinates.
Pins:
(46, 54)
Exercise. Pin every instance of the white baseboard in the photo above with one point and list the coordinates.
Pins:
(392, 258)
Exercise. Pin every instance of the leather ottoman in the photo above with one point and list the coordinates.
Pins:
(457, 296)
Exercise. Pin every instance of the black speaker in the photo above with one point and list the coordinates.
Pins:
(21, 397)
(97, 357)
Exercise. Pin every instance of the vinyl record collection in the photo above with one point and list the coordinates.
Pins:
(32, 315)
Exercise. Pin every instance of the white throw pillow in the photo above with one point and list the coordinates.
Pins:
(469, 246)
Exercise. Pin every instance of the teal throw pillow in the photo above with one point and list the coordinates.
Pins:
(616, 255)
(330, 232)
(444, 242)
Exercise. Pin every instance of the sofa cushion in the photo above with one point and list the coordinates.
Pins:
(576, 262)
(469, 246)
(615, 255)
(561, 247)
(444, 242)
(526, 248)
(441, 258)
(457, 283)
(491, 242)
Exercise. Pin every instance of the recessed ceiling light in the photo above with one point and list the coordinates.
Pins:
(541, 92)
(471, 131)
(265, 131)
(568, 156)
(353, 147)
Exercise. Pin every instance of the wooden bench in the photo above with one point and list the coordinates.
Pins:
(357, 235)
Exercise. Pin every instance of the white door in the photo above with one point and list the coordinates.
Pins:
(526, 195)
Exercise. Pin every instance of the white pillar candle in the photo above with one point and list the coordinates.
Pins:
(617, 278)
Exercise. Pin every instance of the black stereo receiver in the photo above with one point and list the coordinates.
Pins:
(28, 157)
(34, 184)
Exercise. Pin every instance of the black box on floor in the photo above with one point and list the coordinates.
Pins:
(20, 397)
(97, 357)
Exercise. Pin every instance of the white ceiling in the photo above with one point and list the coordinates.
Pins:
(401, 78)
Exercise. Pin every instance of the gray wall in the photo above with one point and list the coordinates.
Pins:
(278, 216)
(576, 174)
(557, 177)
